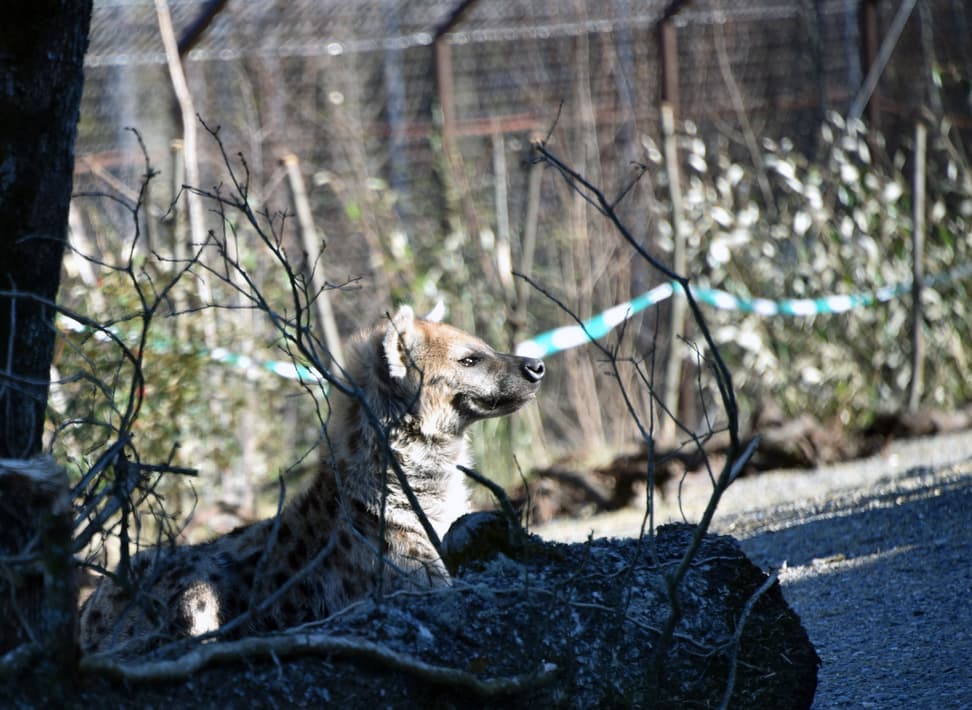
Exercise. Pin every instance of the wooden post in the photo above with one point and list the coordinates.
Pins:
(917, 269)
(180, 239)
(81, 255)
(443, 75)
(457, 192)
(446, 91)
(668, 38)
(190, 162)
(150, 242)
(676, 330)
(313, 242)
(528, 244)
(445, 86)
(503, 250)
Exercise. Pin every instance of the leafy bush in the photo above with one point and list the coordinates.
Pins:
(787, 226)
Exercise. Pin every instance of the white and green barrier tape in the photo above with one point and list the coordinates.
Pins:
(570, 336)
(289, 370)
(596, 327)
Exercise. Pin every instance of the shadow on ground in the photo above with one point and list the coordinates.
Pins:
(881, 580)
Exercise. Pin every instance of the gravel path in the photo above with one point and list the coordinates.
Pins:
(875, 556)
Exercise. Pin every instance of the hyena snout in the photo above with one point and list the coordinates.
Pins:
(532, 369)
(501, 386)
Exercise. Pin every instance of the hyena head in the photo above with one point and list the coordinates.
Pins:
(450, 379)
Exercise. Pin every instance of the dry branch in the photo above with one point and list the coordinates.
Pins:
(723, 378)
(737, 637)
(283, 645)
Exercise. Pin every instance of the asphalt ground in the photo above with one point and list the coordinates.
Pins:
(874, 555)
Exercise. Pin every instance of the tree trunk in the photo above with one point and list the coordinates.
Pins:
(42, 45)
(38, 593)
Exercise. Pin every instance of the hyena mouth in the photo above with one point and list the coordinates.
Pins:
(484, 407)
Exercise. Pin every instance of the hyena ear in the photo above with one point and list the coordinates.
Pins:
(398, 338)
(438, 313)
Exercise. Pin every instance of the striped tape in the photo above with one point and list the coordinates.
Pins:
(796, 306)
(595, 328)
(288, 370)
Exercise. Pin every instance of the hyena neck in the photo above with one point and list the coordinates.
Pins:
(358, 453)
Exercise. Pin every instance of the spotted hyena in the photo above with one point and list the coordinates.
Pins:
(415, 387)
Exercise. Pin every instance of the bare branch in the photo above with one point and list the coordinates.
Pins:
(737, 637)
(285, 645)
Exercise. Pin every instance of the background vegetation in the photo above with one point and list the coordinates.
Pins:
(778, 203)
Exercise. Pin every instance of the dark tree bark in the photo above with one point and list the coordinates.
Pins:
(42, 46)
(38, 590)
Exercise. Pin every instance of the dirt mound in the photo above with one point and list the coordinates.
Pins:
(562, 626)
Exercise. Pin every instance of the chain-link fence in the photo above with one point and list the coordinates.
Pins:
(412, 122)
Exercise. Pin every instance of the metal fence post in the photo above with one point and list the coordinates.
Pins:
(917, 269)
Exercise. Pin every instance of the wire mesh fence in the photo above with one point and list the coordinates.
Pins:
(413, 122)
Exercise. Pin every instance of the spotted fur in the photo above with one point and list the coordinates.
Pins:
(416, 385)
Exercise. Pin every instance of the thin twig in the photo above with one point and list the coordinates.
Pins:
(737, 637)
(723, 380)
(723, 376)
(495, 489)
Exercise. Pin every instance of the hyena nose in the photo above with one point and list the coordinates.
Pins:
(533, 369)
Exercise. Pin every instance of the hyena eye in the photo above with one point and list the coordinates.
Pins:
(470, 360)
